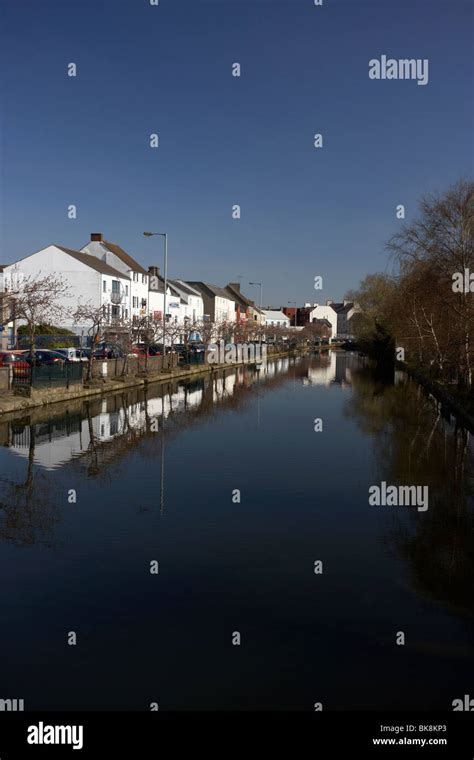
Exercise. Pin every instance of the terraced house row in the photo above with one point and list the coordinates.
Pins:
(105, 276)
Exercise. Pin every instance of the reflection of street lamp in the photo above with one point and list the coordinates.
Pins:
(162, 478)
(165, 236)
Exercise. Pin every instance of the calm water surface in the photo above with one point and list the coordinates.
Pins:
(154, 477)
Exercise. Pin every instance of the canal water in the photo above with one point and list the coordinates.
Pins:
(230, 485)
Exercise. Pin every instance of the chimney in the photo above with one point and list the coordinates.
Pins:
(96, 237)
(154, 271)
(307, 305)
(328, 302)
(235, 285)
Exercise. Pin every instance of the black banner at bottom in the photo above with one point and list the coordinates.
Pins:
(325, 734)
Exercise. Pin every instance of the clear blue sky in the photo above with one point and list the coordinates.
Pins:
(225, 140)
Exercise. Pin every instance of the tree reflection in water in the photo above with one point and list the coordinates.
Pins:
(28, 514)
(415, 444)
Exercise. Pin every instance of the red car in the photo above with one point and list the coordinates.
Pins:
(13, 359)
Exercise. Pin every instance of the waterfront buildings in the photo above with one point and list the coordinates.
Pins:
(219, 306)
(103, 275)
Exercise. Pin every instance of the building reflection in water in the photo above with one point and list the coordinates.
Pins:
(334, 367)
(95, 435)
(60, 436)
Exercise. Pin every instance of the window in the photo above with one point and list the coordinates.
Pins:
(104, 287)
(126, 290)
(135, 302)
(143, 303)
(115, 286)
(135, 277)
(115, 312)
(144, 279)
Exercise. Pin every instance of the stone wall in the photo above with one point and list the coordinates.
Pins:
(113, 368)
(4, 379)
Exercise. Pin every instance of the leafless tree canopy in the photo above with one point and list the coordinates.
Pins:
(418, 304)
(35, 300)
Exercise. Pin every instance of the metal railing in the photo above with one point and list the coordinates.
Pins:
(48, 375)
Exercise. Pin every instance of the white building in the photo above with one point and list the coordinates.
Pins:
(7, 339)
(120, 260)
(192, 304)
(156, 298)
(218, 304)
(88, 280)
(275, 318)
(345, 312)
(340, 315)
(325, 312)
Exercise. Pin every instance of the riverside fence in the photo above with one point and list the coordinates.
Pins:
(60, 375)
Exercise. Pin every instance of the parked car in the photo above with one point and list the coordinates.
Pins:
(44, 356)
(68, 353)
(107, 351)
(197, 348)
(14, 359)
(83, 354)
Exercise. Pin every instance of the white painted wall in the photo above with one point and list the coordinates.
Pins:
(191, 306)
(325, 312)
(85, 285)
(224, 310)
(138, 291)
(156, 303)
(83, 282)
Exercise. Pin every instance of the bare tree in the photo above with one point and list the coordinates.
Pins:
(206, 330)
(315, 331)
(437, 246)
(149, 332)
(96, 319)
(35, 300)
(124, 339)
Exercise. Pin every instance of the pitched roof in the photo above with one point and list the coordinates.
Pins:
(92, 262)
(124, 256)
(214, 290)
(185, 287)
(238, 296)
(272, 314)
(161, 285)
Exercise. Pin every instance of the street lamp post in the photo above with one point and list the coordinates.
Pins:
(165, 236)
(260, 284)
